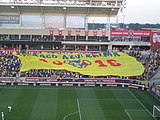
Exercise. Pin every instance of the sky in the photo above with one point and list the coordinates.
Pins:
(136, 11)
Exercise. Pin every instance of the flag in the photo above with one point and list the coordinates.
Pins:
(51, 32)
(69, 32)
(103, 33)
(78, 32)
(94, 33)
(86, 32)
(60, 32)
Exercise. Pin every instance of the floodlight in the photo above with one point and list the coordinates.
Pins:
(112, 9)
(68, 2)
(72, 2)
(64, 8)
(61, 1)
(55, 1)
(104, 3)
(12, 7)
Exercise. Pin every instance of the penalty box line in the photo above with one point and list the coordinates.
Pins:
(78, 105)
(128, 114)
(79, 110)
(141, 103)
(133, 110)
(88, 99)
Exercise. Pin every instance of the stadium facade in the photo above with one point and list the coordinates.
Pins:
(51, 24)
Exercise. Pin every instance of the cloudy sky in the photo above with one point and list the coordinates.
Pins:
(137, 11)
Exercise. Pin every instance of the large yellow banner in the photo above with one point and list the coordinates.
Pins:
(100, 64)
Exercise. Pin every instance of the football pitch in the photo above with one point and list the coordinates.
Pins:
(76, 103)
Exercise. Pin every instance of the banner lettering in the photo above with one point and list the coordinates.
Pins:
(100, 64)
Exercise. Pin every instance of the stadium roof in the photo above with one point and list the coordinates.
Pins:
(62, 7)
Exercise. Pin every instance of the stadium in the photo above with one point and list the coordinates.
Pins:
(54, 65)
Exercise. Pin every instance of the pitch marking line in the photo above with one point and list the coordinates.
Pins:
(104, 99)
(80, 116)
(69, 115)
(141, 103)
(100, 99)
(138, 110)
(43, 87)
(128, 114)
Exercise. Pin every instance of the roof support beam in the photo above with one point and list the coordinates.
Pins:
(65, 17)
(88, 11)
(90, 2)
(18, 10)
(86, 23)
(112, 11)
(42, 11)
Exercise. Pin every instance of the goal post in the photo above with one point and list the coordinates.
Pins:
(156, 111)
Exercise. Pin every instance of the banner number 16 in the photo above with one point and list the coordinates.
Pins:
(110, 62)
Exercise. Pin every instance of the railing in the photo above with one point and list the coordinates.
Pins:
(101, 82)
(60, 3)
(51, 51)
(49, 79)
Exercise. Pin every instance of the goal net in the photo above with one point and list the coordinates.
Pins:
(156, 111)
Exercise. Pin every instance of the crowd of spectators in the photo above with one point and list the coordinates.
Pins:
(51, 74)
(45, 38)
(151, 63)
(10, 67)
(4, 38)
(32, 38)
(129, 39)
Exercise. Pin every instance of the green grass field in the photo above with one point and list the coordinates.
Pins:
(76, 103)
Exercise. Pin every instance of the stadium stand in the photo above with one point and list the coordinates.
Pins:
(49, 26)
(10, 67)
(150, 61)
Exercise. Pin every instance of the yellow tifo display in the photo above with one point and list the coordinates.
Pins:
(99, 64)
